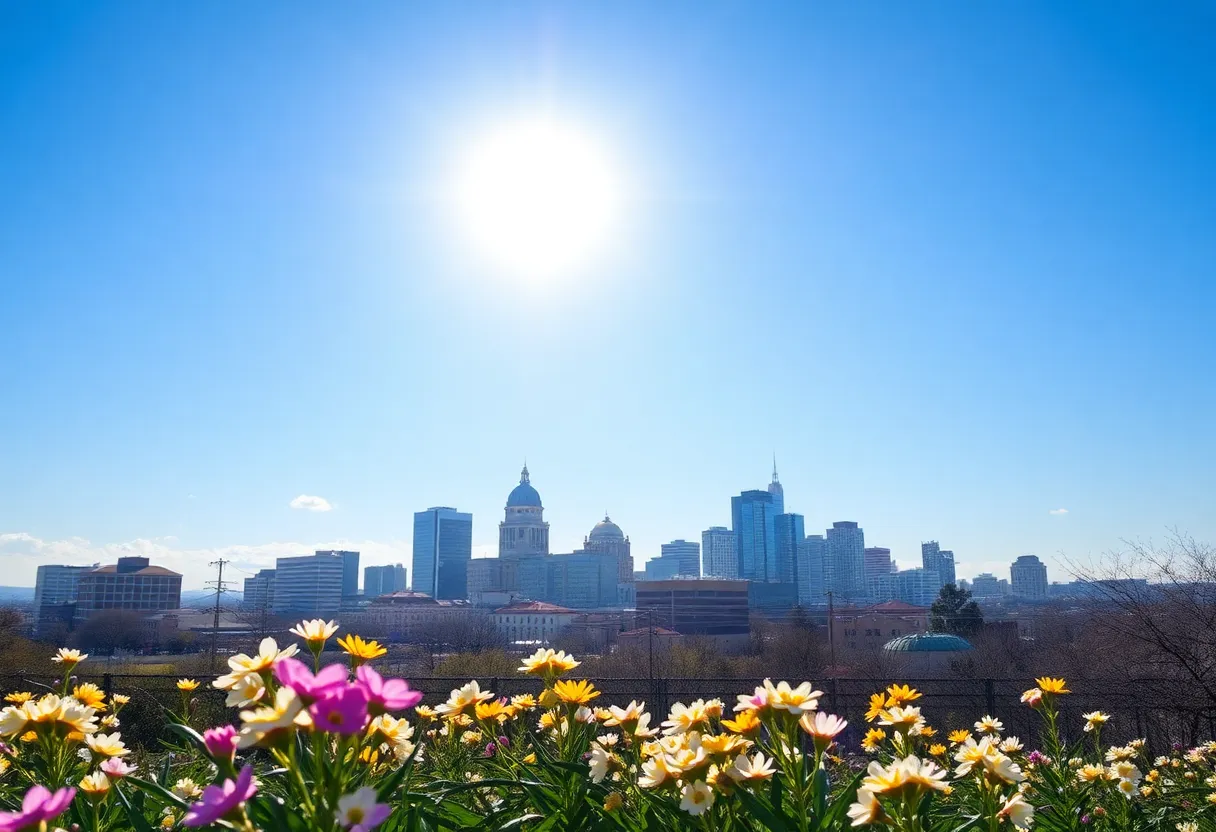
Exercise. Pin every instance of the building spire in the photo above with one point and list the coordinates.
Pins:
(523, 475)
(775, 467)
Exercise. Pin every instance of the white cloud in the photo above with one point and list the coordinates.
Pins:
(1058, 511)
(310, 503)
(21, 554)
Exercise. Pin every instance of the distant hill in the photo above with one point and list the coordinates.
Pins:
(195, 597)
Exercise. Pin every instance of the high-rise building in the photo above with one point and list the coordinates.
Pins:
(1028, 577)
(608, 539)
(845, 572)
(662, 569)
(790, 533)
(912, 586)
(443, 547)
(987, 585)
(259, 591)
(753, 522)
(719, 553)
(350, 570)
(687, 555)
(54, 587)
(877, 561)
(309, 584)
(812, 562)
(777, 491)
(131, 584)
(945, 569)
(381, 580)
(523, 532)
(579, 580)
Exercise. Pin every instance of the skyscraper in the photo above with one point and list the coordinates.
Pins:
(845, 573)
(309, 584)
(55, 586)
(443, 547)
(877, 561)
(753, 522)
(687, 555)
(777, 491)
(812, 563)
(790, 534)
(259, 591)
(1028, 577)
(719, 553)
(350, 570)
(383, 580)
(945, 571)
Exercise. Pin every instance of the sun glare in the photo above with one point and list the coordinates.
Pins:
(538, 198)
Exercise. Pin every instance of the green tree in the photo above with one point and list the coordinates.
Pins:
(955, 612)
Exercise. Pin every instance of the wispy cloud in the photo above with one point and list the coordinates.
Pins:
(1058, 511)
(308, 502)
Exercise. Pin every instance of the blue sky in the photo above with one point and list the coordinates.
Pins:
(952, 262)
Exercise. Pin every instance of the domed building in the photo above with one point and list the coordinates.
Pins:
(523, 532)
(927, 652)
(607, 538)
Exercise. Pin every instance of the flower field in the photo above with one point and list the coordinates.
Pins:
(341, 747)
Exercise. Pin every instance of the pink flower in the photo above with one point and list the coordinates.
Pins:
(343, 711)
(38, 805)
(221, 742)
(386, 694)
(220, 801)
(294, 674)
(116, 768)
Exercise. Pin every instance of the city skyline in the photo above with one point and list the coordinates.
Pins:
(951, 265)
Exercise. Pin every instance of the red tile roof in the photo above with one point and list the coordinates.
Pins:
(533, 606)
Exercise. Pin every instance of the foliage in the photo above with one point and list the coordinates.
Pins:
(325, 748)
(955, 612)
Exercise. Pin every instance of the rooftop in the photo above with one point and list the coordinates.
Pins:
(533, 606)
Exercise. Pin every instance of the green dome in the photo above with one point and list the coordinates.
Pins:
(927, 643)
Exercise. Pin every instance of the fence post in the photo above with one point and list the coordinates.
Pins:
(832, 695)
(990, 696)
(107, 684)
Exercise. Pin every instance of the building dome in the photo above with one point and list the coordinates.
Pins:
(523, 495)
(927, 643)
(605, 530)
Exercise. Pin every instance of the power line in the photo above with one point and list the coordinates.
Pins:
(221, 586)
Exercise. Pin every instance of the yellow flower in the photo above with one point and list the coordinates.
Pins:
(873, 738)
(548, 720)
(187, 685)
(69, 658)
(87, 693)
(107, 745)
(530, 758)
(424, 712)
(470, 737)
(878, 704)
(120, 699)
(575, 693)
(315, 632)
(745, 723)
(263, 726)
(1047, 684)
(95, 785)
(19, 697)
(613, 802)
(546, 662)
(926, 732)
(901, 695)
(492, 710)
(724, 744)
(937, 749)
(961, 735)
(523, 702)
(360, 650)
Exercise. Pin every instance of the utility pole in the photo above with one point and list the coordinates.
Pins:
(220, 588)
(650, 640)
(831, 630)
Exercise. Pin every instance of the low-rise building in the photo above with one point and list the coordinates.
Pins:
(713, 608)
(867, 629)
(404, 616)
(532, 622)
(132, 584)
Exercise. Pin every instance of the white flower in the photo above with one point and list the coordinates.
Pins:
(989, 725)
(866, 810)
(1018, 811)
(757, 768)
(599, 763)
(1011, 744)
(240, 664)
(696, 797)
(360, 810)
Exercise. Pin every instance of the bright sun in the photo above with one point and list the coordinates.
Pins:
(539, 198)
